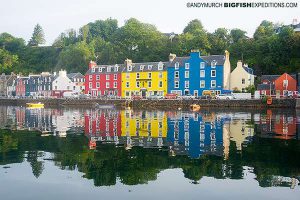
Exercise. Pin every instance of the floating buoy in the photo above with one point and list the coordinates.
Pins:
(195, 107)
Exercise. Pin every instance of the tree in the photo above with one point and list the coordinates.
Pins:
(265, 29)
(38, 36)
(237, 34)
(193, 26)
(7, 60)
(219, 40)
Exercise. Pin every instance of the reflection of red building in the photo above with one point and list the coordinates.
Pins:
(21, 87)
(283, 126)
(100, 123)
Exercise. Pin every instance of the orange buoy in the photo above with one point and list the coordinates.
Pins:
(269, 100)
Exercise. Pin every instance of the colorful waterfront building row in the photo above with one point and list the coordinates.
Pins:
(193, 74)
(45, 84)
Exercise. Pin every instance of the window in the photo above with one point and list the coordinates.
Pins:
(107, 76)
(115, 76)
(115, 85)
(68, 87)
(177, 65)
(202, 65)
(107, 84)
(149, 75)
(137, 84)
(116, 68)
(213, 73)
(90, 77)
(149, 67)
(137, 75)
(213, 83)
(98, 85)
(98, 77)
(160, 75)
(93, 69)
(202, 84)
(90, 85)
(186, 74)
(213, 64)
(142, 67)
(243, 81)
(176, 84)
(160, 84)
(285, 83)
(100, 69)
(127, 84)
(127, 75)
(186, 84)
(177, 74)
(149, 84)
(129, 68)
(187, 65)
(108, 69)
(202, 73)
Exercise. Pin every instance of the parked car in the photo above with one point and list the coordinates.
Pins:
(171, 96)
(188, 96)
(225, 96)
(155, 97)
(136, 97)
(84, 96)
(293, 94)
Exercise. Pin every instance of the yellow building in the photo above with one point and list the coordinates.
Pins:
(144, 124)
(144, 79)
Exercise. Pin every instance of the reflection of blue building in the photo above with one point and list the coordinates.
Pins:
(190, 134)
(195, 74)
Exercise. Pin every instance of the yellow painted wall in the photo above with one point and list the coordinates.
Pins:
(144, 79)
(137, 124)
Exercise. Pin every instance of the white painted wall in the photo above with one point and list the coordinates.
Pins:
(62, 82)
(237, 75)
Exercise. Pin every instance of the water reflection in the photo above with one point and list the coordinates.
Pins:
(203, 144)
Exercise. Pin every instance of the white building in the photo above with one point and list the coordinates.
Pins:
(62, 84)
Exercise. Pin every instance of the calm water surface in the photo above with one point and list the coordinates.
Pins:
(138, 154)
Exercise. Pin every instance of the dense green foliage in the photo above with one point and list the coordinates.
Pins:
(267, 52)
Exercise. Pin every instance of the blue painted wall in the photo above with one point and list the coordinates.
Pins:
(194, 75)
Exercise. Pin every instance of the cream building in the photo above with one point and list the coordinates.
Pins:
(241, 77)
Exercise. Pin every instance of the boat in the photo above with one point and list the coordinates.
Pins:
(35, 105)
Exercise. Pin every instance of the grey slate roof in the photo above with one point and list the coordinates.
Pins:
(270, 77)
(136, 67)
(75, 75)
(220, 59)
(265, 87)
(104, 69)
(249, 70)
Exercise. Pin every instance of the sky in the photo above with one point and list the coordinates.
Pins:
(18, 17)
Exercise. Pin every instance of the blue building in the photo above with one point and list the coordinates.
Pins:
(195, 74)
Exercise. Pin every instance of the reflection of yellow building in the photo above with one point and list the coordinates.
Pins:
(144, 79)
(239, 131)
(144, 124)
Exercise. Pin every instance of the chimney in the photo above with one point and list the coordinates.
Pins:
(92, 64)
(172, 57)
(54, 73)
(128, 62)
(195, 53)
(227, 55)
(62, 73)
(239, 64)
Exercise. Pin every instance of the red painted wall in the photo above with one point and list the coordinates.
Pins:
(102, 87)
(292, 83)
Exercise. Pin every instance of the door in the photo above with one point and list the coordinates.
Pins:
(144, 93)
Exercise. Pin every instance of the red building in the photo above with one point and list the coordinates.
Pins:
(21, 86)
(103, 80)
(276, 84)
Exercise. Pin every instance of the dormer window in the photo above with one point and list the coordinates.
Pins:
(100, 69)
(142, 67)
(149, 67)
(177, 65)
(160, 66)
(213, 64)
(129, 68)
(108, 69)
(93, 69)
(116, 68)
